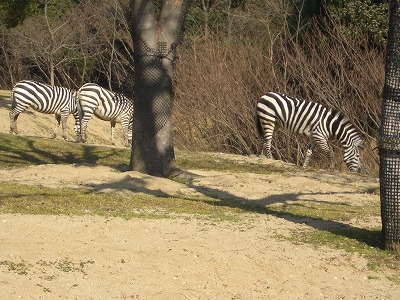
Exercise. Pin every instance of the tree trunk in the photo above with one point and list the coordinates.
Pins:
(389, 137)
(154, 44)
(51, 63)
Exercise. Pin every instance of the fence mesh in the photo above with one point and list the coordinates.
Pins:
(156, 77)
(155, 64)
(389, 138)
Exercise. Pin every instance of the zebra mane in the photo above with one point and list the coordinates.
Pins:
(358, 137)
(340, 113)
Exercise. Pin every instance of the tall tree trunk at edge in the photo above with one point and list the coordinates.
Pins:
(389, 137)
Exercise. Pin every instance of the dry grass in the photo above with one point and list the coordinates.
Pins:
(220, 79)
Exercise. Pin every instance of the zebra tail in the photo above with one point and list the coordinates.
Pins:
(258, 124)
(13, 102)
(260, 131)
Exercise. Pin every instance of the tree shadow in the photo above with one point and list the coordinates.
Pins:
(369, 237)
(217, 197)
(137, 185)
(5, 102)
(33, 154)
(28, 151)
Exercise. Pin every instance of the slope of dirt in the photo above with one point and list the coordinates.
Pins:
(63, 257)
(31, 123)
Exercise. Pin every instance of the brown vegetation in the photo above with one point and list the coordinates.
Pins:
(223, 67)
(219, 81)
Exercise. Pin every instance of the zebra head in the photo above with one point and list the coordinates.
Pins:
(352, 155)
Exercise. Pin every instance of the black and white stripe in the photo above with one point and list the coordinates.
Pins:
(107, 106)
(310, 119)
(46, 99)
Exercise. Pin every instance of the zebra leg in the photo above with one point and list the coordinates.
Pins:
(86, 116)
(129, 130)
(126, 138)
(330, 157)
(112, 132)
(58, 121)
(328, 152)
(267, 140)
(13, 121)
(125, 128)
(83, 127)
(64, 120)
(309, 152)
(77, 127)
(266, 147)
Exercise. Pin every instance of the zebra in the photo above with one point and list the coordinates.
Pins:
(107, 106)
(46, 99)
(312, 120)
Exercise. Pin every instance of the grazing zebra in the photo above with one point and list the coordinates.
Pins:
(310, 119)
(107, 106)
(46, 99)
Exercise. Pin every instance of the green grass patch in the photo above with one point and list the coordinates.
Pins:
(19, 151)
(24, 199)
(327, 222)
(394, 278)
(328, 228)
(365, 242)
(326, 211)
(20, 268)
(209, 161)
(327, 219)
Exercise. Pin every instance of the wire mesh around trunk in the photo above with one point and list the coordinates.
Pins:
(389, 139)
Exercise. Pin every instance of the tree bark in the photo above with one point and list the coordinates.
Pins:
(389, 137)
(154, 55)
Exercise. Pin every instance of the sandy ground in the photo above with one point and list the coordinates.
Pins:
(62, 257)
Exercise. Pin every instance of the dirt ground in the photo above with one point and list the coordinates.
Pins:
(62, 257)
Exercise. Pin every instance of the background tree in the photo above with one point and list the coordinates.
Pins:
(155, 43)
(13, 12)
(73, 42)
(233, 52)
(47, 39)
